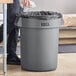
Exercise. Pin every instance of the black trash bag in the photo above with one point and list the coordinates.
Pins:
(1, 33)
(41, 15)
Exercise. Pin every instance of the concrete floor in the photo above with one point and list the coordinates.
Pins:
(66, 67)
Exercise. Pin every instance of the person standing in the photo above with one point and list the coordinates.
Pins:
(12, 30)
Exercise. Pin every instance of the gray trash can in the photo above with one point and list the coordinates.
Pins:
(39, 40)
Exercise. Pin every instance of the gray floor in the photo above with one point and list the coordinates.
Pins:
(62, 49)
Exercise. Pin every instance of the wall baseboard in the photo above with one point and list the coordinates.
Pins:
(67, 48)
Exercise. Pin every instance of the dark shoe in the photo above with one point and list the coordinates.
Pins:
(13, 60)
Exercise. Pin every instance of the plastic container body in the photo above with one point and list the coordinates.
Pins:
(39, 44)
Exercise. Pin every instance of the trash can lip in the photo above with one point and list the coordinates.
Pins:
(39, 15)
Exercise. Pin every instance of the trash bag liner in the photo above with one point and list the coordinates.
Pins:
(41, 15)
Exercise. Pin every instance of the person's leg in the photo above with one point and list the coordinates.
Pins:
(12, 10)
(12, 42)
(11, 48)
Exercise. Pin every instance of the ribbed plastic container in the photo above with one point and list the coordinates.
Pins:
(39, 40)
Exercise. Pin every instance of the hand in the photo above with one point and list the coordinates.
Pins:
(25, 3)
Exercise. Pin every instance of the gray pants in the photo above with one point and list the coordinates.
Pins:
(12, 29)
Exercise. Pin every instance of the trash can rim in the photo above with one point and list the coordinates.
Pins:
(41, 15)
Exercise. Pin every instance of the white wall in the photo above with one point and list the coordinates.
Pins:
(0, 7)
(64, 6)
